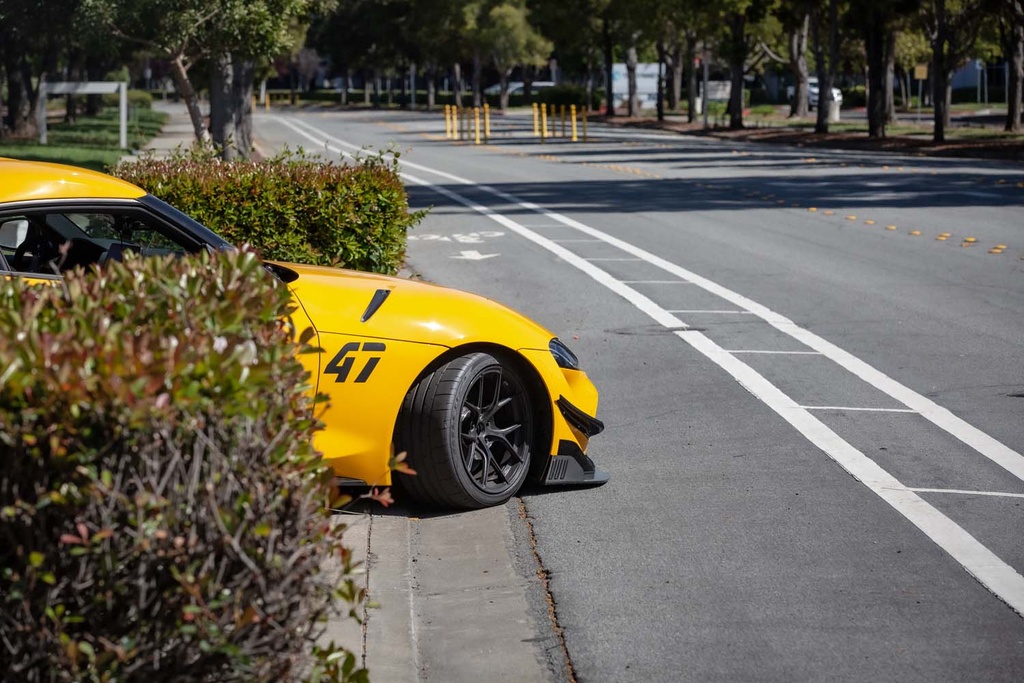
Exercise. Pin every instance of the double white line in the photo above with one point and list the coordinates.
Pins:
(995, 574)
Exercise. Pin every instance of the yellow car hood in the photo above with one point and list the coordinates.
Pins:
(342, 302)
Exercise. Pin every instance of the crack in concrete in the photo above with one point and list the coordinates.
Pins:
(544, 577)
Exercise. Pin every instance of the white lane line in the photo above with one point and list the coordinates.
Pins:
(999, 577)
(656, 282)
(965, 492)
(573, 241)
(710, 311)
(775, 353)
(633, 259)
(863, 410)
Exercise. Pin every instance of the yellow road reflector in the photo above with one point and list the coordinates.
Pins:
(890, 227)
(970, 240)
(942, 238)
(995, 251)
(900, 169)
(869, 222)
(851, 217)
(1000, 246)
(885, 168)
(915, 233)
(946, 234)
(812, 209)
(810, 160)
(1001, 181)
(829, 213)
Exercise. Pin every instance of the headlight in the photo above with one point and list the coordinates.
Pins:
(563, 356)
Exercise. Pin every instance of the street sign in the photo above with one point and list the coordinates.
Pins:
(921, 72)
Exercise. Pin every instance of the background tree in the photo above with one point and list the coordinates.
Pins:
(33, 37)
(1012, 22)
(741, 20)
(952, 27)
(511, 41)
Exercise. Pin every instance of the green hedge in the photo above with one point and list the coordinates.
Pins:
(291, 208)
(162, 510)
(138, 99)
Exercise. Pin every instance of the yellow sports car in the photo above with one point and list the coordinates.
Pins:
(480, 397)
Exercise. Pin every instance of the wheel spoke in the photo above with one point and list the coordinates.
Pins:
(498, 469)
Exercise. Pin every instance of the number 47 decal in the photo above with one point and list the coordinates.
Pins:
(341, 364)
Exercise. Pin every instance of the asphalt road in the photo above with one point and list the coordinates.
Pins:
(814, 406)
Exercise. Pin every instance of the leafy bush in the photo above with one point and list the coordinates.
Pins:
(292, 207)
(137, 99)
(163, 513)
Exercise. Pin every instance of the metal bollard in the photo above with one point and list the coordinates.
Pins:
(561, 114)
(476, 126)
(536, 120)
(543, 123)
(487, 122)
(447, 123)
(572, 115)
(585, 107)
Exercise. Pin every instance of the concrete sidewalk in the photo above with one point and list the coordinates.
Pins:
(449, 597)
(445, 602)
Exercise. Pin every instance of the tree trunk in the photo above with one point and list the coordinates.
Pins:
(939, 74)
(737, 67)
(875, 39)
(180, 75)
(222, 103)
(887, 85)
(244, 71)
(17, 101)
(606, 39)
(29, 127)
(632, 107)
(1016, 76)
(660, 105)
(691, 83)
(798, 65)
(679, 59)
(431, 76)
(457, 84)
(824, 68)
(503, 98)
(478, 69)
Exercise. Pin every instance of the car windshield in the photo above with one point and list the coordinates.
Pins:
(208, 236)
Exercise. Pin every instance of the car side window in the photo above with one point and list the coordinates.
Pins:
(51, 241)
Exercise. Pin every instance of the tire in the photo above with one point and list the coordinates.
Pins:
(467, 427)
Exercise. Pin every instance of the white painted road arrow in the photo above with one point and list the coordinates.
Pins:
(474, 256)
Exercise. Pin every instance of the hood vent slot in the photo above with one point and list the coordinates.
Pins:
(375, 303)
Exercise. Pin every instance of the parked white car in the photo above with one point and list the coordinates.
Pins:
(517, 87)
(812, 93)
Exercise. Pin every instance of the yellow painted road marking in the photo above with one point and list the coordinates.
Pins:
(890, 227)
(812, 209)
(829, 213)
(869, 222)
(851, 217)
(915, 233)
